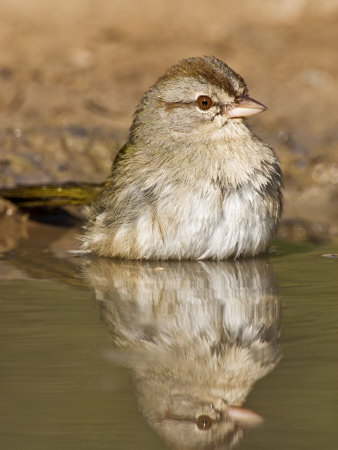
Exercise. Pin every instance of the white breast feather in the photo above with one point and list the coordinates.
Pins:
(200, 229)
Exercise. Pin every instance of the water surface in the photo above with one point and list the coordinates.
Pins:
(100, 354)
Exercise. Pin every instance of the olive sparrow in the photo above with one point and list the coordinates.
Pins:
(193, 181)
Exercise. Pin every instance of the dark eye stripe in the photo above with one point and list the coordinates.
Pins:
(179, 104)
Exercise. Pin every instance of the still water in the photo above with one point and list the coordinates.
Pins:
(104, 354)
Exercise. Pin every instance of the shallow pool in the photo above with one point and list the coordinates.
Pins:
(104, 354)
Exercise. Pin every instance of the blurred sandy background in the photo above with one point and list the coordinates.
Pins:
(73, 71)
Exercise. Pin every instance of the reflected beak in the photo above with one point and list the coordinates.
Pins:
(244, 106)
(244, 417)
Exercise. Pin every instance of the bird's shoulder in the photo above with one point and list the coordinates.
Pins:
(125, 151)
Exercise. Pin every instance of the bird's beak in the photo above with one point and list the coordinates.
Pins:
(244, 106)
(244, 417)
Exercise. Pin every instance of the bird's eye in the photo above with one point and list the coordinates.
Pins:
(204, 102)
(204, 422)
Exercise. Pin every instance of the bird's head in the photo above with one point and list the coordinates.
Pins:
(196, 98)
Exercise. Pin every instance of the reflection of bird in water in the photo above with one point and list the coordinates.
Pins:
(197, 336)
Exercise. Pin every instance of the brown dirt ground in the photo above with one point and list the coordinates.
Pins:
(73, 71)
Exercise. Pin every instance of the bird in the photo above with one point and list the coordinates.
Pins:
(193, 181)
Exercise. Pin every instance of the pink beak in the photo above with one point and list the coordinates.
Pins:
(244, 106)
(244, 417)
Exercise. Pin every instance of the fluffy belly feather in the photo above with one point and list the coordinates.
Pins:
(201, 225)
